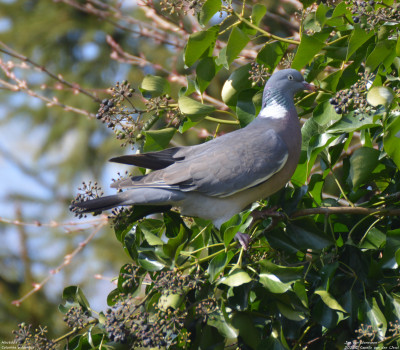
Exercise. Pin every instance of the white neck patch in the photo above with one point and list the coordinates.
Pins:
(273, 110)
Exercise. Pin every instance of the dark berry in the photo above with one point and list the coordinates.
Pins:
(105, 101)
(110, 104)
(371, 2)
(338, 110)
(356, 19)
(106, 108)
(333, 101)
(99, 115)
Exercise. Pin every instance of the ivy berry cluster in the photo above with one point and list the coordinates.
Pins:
(354, 97)
(87, 191)
(375, 12)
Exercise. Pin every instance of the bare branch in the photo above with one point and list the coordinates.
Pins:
(67, 259)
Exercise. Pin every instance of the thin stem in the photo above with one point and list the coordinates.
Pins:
(369, 229)
(222, 121)
(265, 33)
(301, 337)
(341, 189)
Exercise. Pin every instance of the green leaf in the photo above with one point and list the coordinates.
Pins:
(357, 39)
(236, 43)
(306, 235)
(200, 43)
(208, 10)
(324, 114)
(149, 261)
(351, 123)
(205, 72)
(257, 13)
(389, 253)
(236, 278)
(194, 108)
(300, 290)
(238, 223)
(217, 265)
(278, 279)
(152, 230)
(247, 327)
(171, 249)
(329, 300)
(308, 48)
(362, 163)
(391, 141)
(218, 320)
(245, 109)
(157, 140)
(238, 81)
(73, 294)
(271, 54)
(372, 315)
(374, 239)
(153, 86)
(384, 52)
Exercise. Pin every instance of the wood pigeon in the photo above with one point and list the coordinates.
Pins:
(219, 178)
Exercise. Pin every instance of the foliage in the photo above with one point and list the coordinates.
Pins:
(320, 273)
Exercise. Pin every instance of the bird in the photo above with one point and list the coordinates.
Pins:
(219, 178)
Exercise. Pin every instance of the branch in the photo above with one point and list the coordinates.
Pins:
(67, 260)
(345, 210)
(265, 33)
(7, 50)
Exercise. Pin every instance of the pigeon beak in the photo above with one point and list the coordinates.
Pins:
(309, 87)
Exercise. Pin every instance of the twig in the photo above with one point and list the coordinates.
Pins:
(344, 211)
(67, 260)
(263, 32)
(93, 222)
(9, 51)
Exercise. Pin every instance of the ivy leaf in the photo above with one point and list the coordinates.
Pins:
(362, 163)
(329, 300)
(205, 72)
(200, 43)
(384, 52)
(193, 108)
(208, 10)
(372, 315)
(238, 81)
(148, 260)
(351, 123)
(278, 279)
(391, 141)
(217, 265)
(308, 48)
(236, 43)
(157, 140)
(74, 295)
(153, 86)
(357, 39)
(236, 278)
(271, 54)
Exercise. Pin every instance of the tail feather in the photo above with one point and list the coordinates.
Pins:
(97, 205)
(144, 196)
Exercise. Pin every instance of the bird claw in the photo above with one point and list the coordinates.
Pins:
(244, 239)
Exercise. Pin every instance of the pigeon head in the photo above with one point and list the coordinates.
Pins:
(289, 81)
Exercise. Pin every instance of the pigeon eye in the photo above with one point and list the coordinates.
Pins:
(290, 77)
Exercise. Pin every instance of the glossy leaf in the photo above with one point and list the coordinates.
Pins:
(194, 108)
(391, 141)
(200, 43)
(157, 140)
(208, 10)
(153, 86)
(236, 278)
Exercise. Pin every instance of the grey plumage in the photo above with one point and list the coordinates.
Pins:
(217, 179)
